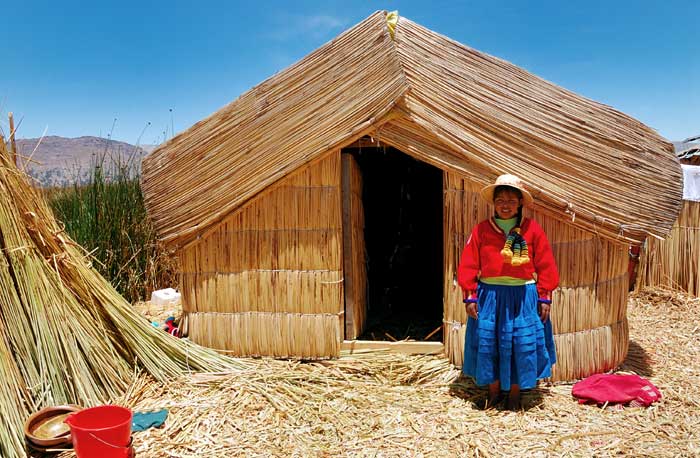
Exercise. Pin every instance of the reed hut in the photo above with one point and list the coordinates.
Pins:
(674, 262)
(265, 200)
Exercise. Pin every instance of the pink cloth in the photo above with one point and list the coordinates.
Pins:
(616, 389)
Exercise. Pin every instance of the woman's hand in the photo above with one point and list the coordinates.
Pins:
(543, 309)
(472, 310)
(470, 304)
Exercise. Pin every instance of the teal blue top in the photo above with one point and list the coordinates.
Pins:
(506, 224)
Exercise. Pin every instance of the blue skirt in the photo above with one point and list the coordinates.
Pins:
(508, 342)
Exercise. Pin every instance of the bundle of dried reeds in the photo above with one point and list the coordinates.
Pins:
(66, 336)
(13, 399)
(675, 262)
(282, 334)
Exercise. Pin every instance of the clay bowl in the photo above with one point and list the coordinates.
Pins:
(46, 428)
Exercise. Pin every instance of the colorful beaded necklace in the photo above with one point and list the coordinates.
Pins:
(515, 250)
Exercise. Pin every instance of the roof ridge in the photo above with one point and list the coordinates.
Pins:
(393, 34)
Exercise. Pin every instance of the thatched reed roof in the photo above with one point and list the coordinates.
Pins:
(436, 100)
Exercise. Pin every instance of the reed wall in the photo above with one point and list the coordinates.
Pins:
(354, 249)
(268, 279)
(589, 307)
(675, 262)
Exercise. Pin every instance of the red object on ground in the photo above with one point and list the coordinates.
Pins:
(103, 431)
(616, 389)
(170, 327)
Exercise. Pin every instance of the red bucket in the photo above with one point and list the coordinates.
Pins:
(103, 431)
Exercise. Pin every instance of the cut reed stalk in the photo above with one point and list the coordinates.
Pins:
(13, 143)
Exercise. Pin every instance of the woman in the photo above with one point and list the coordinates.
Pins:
(507, 272)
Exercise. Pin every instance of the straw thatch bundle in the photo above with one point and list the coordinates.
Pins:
(66, 336)
(586, 162)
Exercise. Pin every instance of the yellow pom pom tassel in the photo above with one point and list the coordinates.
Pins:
(516, 255)
(524, 255)
(507, 254)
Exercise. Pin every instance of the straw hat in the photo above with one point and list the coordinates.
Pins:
(507, 180)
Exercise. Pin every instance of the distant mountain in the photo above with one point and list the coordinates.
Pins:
(59, 161)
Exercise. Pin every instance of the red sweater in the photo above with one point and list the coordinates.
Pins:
(482, 257)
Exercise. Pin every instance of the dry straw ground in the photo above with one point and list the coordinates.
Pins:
(380, 405)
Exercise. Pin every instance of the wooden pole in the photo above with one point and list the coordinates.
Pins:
(349, 274)
(12, 138)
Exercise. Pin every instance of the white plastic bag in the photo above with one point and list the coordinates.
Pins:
(167, 296)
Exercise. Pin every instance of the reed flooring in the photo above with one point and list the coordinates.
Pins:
(395, 405)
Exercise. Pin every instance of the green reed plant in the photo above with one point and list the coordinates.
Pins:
(105, 213)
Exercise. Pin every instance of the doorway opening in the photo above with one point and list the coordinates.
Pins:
(402, 200)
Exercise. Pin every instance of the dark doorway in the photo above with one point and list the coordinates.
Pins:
(403, 202)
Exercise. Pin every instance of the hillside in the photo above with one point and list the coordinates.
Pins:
(59, 161)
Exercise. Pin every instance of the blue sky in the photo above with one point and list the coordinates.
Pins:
(70, 68)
